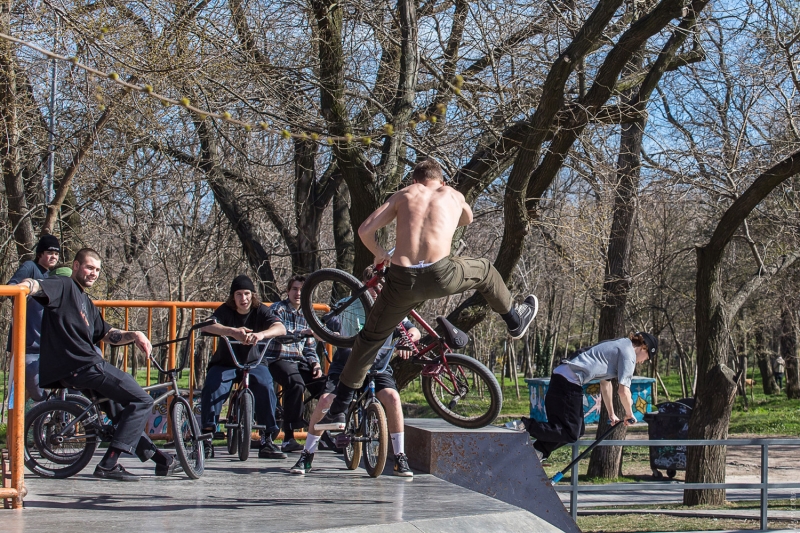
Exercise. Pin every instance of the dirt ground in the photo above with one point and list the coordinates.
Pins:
(743, 462)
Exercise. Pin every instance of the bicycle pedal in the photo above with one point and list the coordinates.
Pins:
(342, 440)
(206, 436)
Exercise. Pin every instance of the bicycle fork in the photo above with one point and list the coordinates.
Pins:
(344, 438)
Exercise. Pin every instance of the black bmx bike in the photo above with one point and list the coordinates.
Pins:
(457, 387)
(366, 431)
(61, 434)
(239, 421)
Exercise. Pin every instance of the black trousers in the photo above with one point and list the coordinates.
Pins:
(564, 407)
(293, 377)
(132, 405)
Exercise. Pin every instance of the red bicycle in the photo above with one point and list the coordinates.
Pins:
(457, 387)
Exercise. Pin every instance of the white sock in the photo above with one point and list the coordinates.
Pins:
(311, 443)
(399, 442)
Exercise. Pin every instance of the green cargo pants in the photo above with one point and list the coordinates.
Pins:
(405, 289)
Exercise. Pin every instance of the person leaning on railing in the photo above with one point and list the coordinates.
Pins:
(48, 250)
(244, 318)
(563, 402)
(71, 328)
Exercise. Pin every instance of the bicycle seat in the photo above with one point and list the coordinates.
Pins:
(454, 337)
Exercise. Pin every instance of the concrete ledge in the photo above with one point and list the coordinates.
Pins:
(509, 522)
(494, 461)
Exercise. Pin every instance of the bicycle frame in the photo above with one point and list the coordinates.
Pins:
(366, 398)
(434, 367)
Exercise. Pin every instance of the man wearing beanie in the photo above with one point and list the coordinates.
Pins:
(48, 250)
(563, 403)
(244, 318)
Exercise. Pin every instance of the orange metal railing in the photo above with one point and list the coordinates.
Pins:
(16, 415)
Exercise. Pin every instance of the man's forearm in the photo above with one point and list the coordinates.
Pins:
(116, 336)
(627, 400)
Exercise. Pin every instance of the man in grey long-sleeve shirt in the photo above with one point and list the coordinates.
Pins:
(613, 359)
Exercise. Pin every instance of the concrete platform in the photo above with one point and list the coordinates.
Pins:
(259, 495)
(495, 461)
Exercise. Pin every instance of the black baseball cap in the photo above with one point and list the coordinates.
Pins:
(650, 341)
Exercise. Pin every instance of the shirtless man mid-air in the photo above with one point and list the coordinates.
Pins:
(428, 212)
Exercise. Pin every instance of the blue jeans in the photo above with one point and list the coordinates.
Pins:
(217, 388)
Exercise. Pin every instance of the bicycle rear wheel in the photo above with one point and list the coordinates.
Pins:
(58, 428)
(339, 290)
(245, 425)
(189, 449)
(352, 452)
(377, 447)
(468, 396)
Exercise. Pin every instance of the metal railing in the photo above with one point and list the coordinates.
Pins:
(16, 414)
(16, 418)
(574, 488)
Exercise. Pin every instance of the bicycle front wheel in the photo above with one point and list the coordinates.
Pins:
(58, 429)
(463, 392)
(377, 447)
(352, 452)
(245, 425)
(188, 448)
(341, 292)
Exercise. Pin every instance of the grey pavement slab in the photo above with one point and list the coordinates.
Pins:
(260, 495)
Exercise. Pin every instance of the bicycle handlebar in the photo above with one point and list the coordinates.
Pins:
(197, 326)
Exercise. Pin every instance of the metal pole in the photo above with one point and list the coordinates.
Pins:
(764, 489)
(573, 494)
(16, 439)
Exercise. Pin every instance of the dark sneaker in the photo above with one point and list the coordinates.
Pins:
(303, 465)
(268, 450)
(291, 445)
(526, 424)
(527, 312)
(401, 466)
(331, 422)
(116, 472)
(168, 470)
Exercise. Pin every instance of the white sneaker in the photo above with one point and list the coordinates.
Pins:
(539, 454)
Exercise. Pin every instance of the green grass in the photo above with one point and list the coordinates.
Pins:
(766, 415)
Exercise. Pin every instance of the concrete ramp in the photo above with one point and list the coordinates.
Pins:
(494, 461)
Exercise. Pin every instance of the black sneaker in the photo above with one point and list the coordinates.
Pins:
(291, 445)
(168, 470)
(116, 472)
(331, 422)
(268, 450)
(401, 466)
(527, 312)
(303, 465)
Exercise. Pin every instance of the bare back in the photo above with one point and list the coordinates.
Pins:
(427, 218)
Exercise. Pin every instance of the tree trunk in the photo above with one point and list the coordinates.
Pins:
(716, 383)
(343, 234)
(606, 461)
(768, 383)
(10, 165)
(788, 350)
